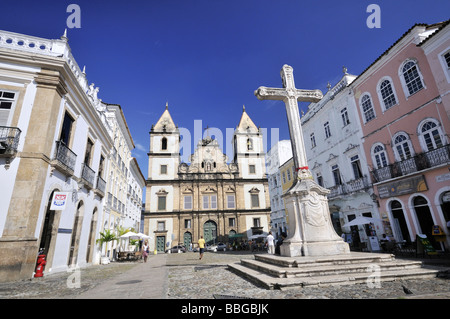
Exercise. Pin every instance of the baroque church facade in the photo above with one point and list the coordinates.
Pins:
(209, 197)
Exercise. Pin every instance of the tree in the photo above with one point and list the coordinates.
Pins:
(106, 237)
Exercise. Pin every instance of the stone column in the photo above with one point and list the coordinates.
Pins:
(18, 245)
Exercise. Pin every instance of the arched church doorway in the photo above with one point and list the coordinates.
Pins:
(210, 232)
(399, 222)
(187, 239)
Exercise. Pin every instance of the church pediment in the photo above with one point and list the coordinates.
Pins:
(209, 189)
(165, 123)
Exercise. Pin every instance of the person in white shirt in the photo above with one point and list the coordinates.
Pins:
(270, 243)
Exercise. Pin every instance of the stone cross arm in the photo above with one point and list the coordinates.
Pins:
(265, 93)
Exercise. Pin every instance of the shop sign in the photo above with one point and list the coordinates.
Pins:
(59, 200)
(424, 245)
(402, 187)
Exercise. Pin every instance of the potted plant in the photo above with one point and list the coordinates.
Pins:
(105, 238)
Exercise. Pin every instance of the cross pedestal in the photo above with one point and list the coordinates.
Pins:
(311, 232)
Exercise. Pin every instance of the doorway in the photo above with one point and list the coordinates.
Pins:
(91, 239)
(160, 243)
(424, 218)
(76, 232)
(210, 232)
(399, 222)
(187, 239)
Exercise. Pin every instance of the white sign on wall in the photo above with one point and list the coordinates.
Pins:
(59, 200)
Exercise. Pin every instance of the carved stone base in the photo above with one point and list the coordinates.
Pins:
(311, 232)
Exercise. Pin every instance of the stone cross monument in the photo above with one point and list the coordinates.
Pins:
(311, 232)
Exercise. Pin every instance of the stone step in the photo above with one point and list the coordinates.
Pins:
(352, 258)
(270, 282)
(275, 272)
(319, 269)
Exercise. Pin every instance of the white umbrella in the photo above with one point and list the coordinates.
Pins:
(143, 236)
(131, 235)
(361, 220)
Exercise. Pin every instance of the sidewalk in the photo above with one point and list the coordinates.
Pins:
(145, 281)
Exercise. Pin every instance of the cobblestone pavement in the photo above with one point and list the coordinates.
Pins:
(62, 285)
(191, 278)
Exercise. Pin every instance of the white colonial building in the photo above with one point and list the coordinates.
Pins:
(333, 142)
(279, 154)
(55, 139)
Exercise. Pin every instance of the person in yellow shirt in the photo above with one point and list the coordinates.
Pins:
(201, 245)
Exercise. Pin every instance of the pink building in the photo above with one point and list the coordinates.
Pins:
(403, 105)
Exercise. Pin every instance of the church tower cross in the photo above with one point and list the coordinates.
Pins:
(290, 96)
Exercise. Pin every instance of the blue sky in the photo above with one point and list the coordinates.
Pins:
(206, 57)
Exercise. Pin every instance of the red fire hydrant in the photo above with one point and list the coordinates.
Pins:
(40, 266)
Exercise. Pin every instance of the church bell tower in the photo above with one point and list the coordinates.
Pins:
(248, 149)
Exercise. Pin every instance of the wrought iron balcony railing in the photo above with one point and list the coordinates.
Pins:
(9, 140)
(65, 156)
(101, 184)
(88, 175)
(417, 163)
(349, 187)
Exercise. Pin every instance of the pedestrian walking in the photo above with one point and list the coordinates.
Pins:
(201, 246)
(270, 243)
(145, 251)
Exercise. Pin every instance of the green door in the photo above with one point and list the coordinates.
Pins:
(187, 239)
(210, 232)
(160, 243)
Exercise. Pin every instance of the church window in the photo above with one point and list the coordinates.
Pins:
(411, 75)
(161, 226)
(213, 199)
(257, 222)
(255, 200)
(231, 222)
(162, 202)
(163, 169)
(231, 201)
(252, 169)
(249, 144)
(164, 143)
(188, 202)
(205, 202)
(187, 223)
(367, 108)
